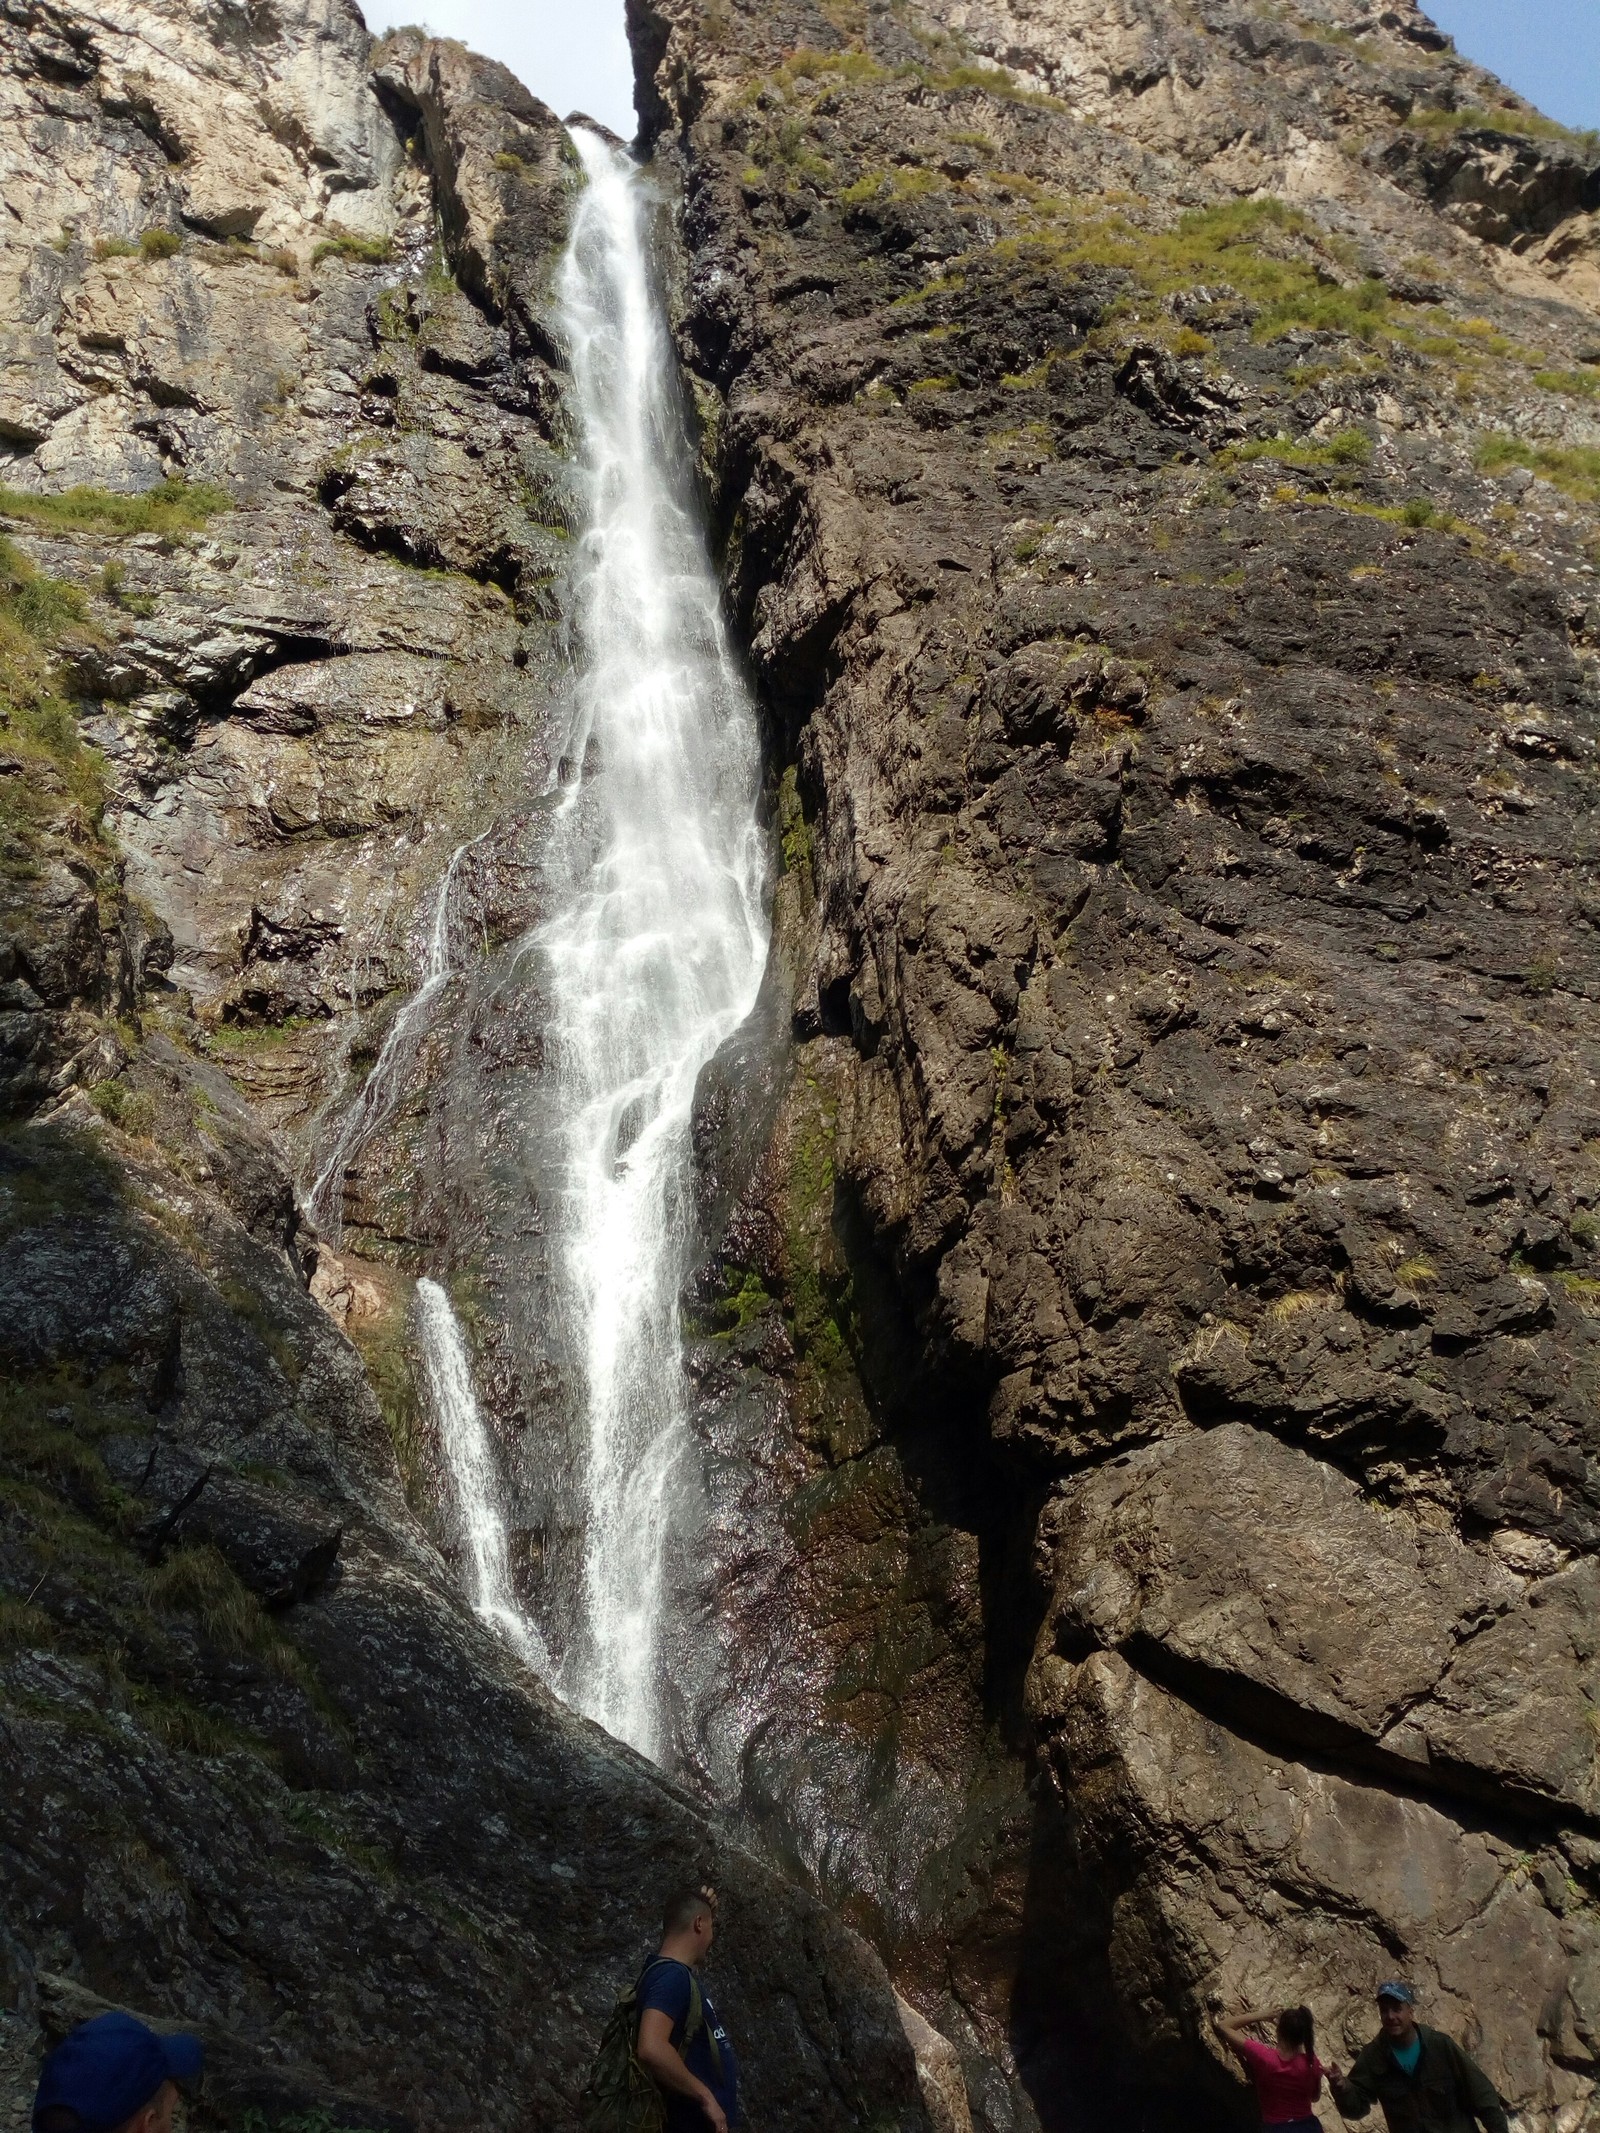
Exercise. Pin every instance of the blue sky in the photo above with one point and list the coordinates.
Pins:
(1547, 50)
(573, 52)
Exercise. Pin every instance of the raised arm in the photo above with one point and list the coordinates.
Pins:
(1232, 2029)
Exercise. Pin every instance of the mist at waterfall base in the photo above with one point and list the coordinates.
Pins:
(655, 941)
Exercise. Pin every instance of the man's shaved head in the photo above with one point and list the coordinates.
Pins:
(685, 1906)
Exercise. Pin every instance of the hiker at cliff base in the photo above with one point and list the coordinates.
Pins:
(1287, 2074)
(665, 2064)
(682, 2046)
(1424, 2080)
(113, 2075)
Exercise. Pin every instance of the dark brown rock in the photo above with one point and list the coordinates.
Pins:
(1191, 810)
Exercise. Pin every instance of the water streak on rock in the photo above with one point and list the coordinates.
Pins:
(474, 1481)
(657, 936)
(381, 1090)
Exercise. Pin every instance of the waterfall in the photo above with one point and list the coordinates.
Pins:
(656, 935)
(381, 1090)
(469, 1460)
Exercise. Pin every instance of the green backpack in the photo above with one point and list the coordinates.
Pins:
(620, 2096)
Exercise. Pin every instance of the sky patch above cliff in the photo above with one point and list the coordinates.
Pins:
(1549, 53)
(579, 61)
(575, 59)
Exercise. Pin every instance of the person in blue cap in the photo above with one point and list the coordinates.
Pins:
(1424, 2080)
(114, 2075)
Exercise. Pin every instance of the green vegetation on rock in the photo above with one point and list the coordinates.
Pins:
(171, 506)
(808, 73)
(1574, 468)
(1350, 448)
(346, 244)
(794, 836)
(151, 244)
(1524, 124)
(1271, 253)
(51, 777)
(385, 1351)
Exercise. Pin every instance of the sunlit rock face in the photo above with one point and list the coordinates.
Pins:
(1137, 1543)
(1153, 451)
(283, 683)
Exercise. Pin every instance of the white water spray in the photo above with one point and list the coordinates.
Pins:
(657, 936)
(464, 1440)
(382, 1089)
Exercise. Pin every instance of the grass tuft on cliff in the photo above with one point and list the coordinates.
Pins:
(1573, 468)
(1264, 249)
(172, 506)
(1350, 448)
(346, 244)
(47, 771)
(1439, 124)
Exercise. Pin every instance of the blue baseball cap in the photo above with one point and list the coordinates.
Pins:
(105, 2070)
(1394, 1990)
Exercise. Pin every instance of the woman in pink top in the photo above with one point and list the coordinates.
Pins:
(1287, 2074)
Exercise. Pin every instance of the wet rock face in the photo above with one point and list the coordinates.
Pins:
(276, 317)
(1156, 487)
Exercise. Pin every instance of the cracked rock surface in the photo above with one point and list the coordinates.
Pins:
(285, 513)
(1153, 453)
(1143, 1335)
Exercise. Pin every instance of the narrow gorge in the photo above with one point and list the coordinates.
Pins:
(797, 980)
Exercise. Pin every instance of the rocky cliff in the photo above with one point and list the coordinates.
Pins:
(1155, 451)
(285, 517)
(1143, 1333)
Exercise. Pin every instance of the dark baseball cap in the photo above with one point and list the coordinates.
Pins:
(1394, 1990)
(106, 2070)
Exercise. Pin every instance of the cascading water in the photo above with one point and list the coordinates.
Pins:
(382, 1089)
(475, 1484)
(657, 933)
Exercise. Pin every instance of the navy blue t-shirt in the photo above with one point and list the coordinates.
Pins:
(665, 1985)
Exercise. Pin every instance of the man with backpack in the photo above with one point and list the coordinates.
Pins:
(665, 2064)
(682, 2046)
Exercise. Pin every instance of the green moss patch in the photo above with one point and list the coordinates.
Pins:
(1272, 254)
(1574, 384)
(795, 838)
(385, 1351)
(1351, 448)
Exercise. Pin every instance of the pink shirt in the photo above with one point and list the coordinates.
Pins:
(1287, 2088)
